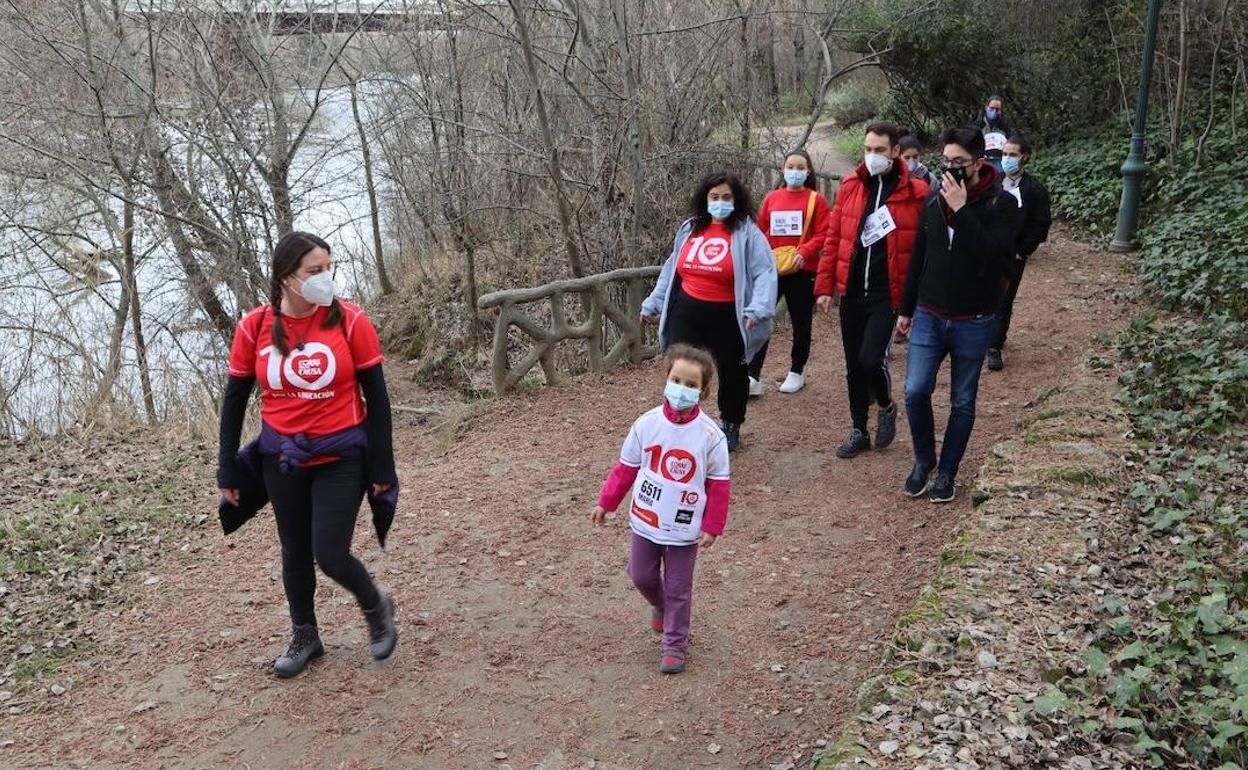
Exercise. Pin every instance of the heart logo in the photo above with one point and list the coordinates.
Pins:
(679, 465)
(713, 251)
(311, 368)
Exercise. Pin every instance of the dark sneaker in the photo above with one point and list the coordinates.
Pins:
(671, 664)
(856, 443)
(942, 489)
(732, 431)
(995, 364)
(656, 620)
(886, 426)
(382, 635)
(918, 481)
(305, 645)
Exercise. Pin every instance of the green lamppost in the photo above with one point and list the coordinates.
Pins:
(1133, 169)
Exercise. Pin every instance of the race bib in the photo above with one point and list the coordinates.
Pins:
(879, 224)
(667, 505)
(786, 223)
(994, 140)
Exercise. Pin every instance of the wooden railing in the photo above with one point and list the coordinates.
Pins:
(598, 307)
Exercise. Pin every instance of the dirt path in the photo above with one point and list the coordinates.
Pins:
(520, 631)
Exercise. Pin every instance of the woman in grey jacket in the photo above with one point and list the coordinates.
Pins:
(717, 290)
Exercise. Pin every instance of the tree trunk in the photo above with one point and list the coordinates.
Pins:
(136, 313)
(548, 139)
(383, 278)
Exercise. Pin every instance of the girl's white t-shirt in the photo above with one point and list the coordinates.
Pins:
(674, 462)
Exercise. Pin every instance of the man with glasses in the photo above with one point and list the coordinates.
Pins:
(953, 288)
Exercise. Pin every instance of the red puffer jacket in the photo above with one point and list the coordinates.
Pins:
(905, 204)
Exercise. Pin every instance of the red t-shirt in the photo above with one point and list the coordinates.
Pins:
(312, 390)
(782, 218)
(705, 265)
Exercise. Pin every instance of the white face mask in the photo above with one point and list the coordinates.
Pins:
(877, 164)
(319, 289)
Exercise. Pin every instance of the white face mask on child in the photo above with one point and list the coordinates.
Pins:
(681, 397)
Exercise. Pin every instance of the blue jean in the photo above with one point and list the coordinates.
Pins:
(966, 343)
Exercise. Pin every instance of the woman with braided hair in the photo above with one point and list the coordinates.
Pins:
(325, 438)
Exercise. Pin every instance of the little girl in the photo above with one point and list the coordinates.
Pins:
(679, 502)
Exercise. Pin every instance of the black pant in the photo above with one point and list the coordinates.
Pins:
(713, 325)
(315, 510)
(867, 333)
(798, 291)
(1006, 311)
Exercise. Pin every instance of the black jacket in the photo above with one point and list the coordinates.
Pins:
(1037, 216)
(963, 277)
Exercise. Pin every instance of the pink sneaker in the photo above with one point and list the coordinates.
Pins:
(671, 664)
(656, 620)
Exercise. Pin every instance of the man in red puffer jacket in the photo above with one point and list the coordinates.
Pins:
(865, 257)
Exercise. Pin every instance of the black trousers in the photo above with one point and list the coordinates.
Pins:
(798, 291)
(867, 333)
(1006, 311)
(316, 509)
(713, 326)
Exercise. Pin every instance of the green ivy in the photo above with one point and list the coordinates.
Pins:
(1170, 661)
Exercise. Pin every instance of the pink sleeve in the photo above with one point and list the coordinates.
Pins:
(715, 517)
(617, 485)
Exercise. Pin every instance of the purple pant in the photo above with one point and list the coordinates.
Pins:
(671, 591)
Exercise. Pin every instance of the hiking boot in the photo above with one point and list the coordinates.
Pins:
(918, 481)
(857, 443)
(305, 644)
(671, 665)
(756, 387)
(732, 431)
(656, 620)
(382, 635)
(995, 364)
(886, 426)
(942, 489)
(793, 383)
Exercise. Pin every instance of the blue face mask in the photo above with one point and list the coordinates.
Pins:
(1010, 165)
(794, 177)
(681, 397)
(993, 114)
(719, 209)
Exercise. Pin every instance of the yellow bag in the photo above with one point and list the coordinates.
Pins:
(787, 260)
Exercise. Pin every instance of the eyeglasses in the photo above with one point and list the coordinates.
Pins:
(956, 162)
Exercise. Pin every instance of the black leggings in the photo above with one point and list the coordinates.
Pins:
(713, 325)
(1015, 275)
(315, 510)
(798, 291)
(867, 333)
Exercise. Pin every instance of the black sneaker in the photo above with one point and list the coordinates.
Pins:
(732, 431)
(305, 644)
(995, 364)
(382, 635)
(886, 426)
(918, 481)
(942, 489)
(857, 443)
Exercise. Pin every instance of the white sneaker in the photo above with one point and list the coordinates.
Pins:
(793, 383)
(756, 388)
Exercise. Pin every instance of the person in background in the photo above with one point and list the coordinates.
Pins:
(953, 289)
(325, 437)
(864, 263)
(679, 504)
(996, 130)
(717, 290)
(912, 156)
(794, 217)
(1033, 199)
